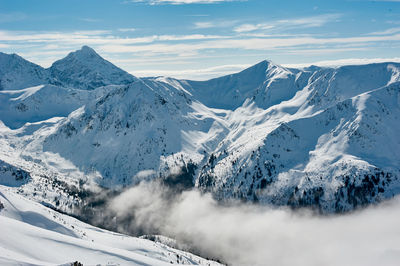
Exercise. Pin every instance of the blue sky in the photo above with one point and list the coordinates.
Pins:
(199, 39)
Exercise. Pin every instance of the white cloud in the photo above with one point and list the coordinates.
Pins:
(260, 44)
(322, 51)
(127, 29)
(90, 19)
(48, 46)
(305, 22)
(204, 25)
(313, 21)
(252, 27)
(197, 74)
(215, 24)
(97, 37)
(189, 37)
(344, 62)
(245, 234)
(386, 32)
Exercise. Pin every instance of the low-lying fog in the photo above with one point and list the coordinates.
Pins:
(243, 234)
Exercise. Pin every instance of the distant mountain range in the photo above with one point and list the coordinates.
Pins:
(321, 137)
(82, 69)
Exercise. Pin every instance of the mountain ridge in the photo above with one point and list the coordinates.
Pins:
(18, 73)
(82, 69)
(85, 69)
(269, 134)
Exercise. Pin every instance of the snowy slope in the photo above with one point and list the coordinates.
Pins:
(337, 159)
(18, 73)
(325, 137)
(132, 129)
(85, 69)
(35, 235)
(34, 104)
(266, 83)
(318, 148)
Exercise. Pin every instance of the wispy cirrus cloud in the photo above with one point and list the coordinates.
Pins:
(261, 44)
(90, 20)
(120, 45)
(252, 27)
(191, 44)
(215, 24)
(344, 62)
(204, 25)
(127, 29)
(303, 22)
(312, 21)
(197, 15)
(167, 43)
(386, 32)
(202, 73)
(95, 37)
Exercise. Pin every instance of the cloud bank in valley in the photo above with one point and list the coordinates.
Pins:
(243, 234)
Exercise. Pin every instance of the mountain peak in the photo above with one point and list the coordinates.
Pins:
(86, 69)
(85, 54)
(17, 73)
(272, 65)
(87, 48)
(4, 57)
(86, 51)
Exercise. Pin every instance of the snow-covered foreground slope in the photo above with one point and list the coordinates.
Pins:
(321, 137)
(35, 235)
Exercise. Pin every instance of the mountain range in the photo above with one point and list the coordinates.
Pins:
(323, 137)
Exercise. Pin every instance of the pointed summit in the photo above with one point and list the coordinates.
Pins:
(87, 49)
(264, 69)
(85, 69)
(231, 91)
(85, 53)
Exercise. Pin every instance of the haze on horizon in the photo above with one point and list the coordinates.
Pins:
(201, 39)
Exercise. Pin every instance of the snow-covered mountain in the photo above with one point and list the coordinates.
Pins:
(85, 69)
(322, 137)
(35, 235)
(332, 144)
(42, 102)
(265, 83)
(18, 73)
